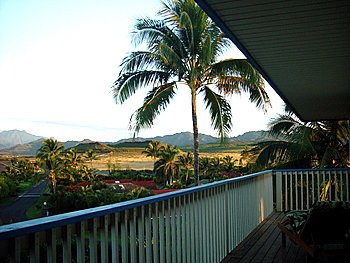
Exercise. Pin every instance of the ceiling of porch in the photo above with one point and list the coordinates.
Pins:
(300, 47)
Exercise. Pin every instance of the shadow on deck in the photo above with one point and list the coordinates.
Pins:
(264, 244)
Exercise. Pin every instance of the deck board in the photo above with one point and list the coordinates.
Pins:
(264, 245)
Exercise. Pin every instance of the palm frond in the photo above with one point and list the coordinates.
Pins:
(127, 84)
(238, 75)
(220, 112)
(139, 60)
(330, 155)
(154, 103)
(155, 32)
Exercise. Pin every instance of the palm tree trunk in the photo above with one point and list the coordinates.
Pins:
(53, 181)
(195, 136)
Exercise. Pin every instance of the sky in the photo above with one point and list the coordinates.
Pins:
(59, 59)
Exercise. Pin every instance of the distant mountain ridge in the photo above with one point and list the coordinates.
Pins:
(186, 138)
(14, 137)
(178, 139)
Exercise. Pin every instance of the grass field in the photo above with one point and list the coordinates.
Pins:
(132, 158)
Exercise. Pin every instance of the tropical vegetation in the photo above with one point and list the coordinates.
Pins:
(184, 49)
(72, 198)
(321, 144)
(65, 168)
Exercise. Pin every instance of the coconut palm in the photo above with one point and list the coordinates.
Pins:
(166, 167)
(204, 165)
(182, 51)
(228, 163)
(186, 161)
(153, 149)
(305, 144)
(73, 158)
(90, 155)
(216, 164)
(49, 155)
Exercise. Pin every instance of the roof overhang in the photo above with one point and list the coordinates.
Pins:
(302, 48)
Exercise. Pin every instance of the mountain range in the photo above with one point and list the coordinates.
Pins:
(14, 137)
(23, 143)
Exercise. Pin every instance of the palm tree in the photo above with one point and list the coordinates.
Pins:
(228, 163)
(166, 168)
(204, 165)
(186, 161)
(49, 154)
(216, 164)
(305, 144)
(153, 149)
(90, 155)
(183, 47)
(73, 158)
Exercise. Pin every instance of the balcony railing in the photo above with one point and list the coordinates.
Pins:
(200, 224)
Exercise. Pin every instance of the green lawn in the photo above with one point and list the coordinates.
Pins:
(33, 211)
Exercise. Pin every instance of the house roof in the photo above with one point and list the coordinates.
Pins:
(300, 47)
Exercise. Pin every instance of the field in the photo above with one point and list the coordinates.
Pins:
(132, 158)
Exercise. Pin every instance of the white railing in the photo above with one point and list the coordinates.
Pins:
(200, 224)
(298, 189)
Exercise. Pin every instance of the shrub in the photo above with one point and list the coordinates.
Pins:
(69, 198)
(7, 186)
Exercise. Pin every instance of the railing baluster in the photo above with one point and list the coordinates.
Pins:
(133, 240)
(104, 238)
(173, 230)
(34, 247)
(183, 229)
(67, 243)
(115, 237)
(93, 240)
(51, 248)
(124, 236)
(148, 225)
(187, 227)
(177, 219)
(141, 234)
(155, 227)
(193, 227)
(168, 217)
(80, 241)
(161, 232)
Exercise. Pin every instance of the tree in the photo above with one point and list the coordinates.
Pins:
(153, 149)
(73, 158)
(49, 154)
(186, 161)
(228, 163)
(322, 144)
(183, 47)
(90, 155)
(216, 164)
(166, 168)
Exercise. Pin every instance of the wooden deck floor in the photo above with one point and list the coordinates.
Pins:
(264, 244)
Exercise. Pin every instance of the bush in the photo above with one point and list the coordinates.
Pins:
(7, 186)
(177, 184)
(71, 198)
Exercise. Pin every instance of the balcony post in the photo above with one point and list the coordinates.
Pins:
(278, 191)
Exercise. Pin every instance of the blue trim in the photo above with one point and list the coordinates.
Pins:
(41, 224)
(325, 169)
